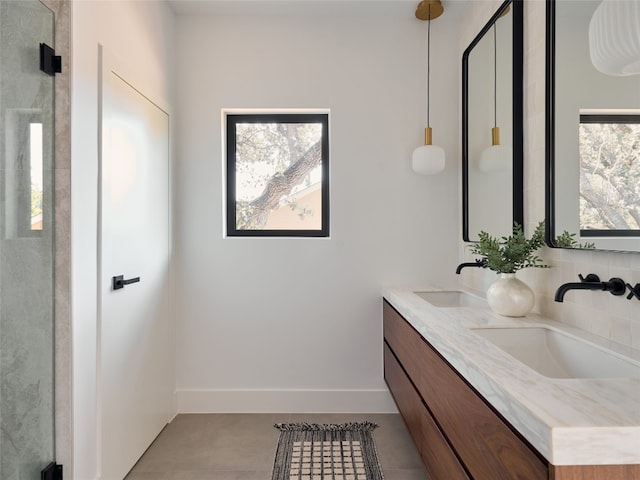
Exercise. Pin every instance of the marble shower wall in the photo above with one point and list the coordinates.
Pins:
(26, 252)
(611, 317)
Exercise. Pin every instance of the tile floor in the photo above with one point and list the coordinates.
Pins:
(243, 446)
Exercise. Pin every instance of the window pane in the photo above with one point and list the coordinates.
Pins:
(609, 176)
(35, 137)
(278, 174)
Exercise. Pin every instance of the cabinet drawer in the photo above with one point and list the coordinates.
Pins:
(440, 462)
(405, 342)
(405, 396)
(486, 445)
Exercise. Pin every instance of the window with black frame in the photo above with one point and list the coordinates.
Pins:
(277, 174)
(609, 175)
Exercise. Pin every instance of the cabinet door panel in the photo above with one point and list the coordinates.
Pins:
(595, 472)
(405, 396)
(488, 447)
(405, 342)
(439, 461)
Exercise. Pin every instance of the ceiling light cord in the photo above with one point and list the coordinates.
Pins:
(428, 65)
(495, 78)
(428, 159)
(495, 157)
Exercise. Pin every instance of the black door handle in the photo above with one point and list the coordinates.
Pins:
(119, 281)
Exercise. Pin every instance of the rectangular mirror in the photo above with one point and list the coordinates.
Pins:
(492, 142)
(593, 127)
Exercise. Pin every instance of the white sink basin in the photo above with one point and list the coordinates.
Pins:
(557, 355)
(451, 299)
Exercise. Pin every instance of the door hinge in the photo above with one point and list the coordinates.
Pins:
(49, 62)
(53, 471)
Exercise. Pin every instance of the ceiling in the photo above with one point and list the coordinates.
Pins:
(452, 8)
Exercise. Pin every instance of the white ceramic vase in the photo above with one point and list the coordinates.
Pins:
(510, 296)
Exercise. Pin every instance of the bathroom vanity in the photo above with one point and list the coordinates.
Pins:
(475, 412)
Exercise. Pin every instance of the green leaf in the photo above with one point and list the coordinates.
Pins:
(512, 253)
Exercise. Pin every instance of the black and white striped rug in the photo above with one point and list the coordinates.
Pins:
(326, 452)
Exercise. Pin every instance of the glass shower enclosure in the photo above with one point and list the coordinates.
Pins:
(26, 242)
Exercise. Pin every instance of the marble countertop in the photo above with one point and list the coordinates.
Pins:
(589, 421)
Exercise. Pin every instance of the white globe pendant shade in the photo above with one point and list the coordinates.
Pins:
(428, 159)
(614, 37)
(496, 157)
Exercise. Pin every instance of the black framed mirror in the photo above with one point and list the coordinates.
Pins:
(592, 127)
(492, 126)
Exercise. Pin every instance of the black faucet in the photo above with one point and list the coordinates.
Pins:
(615, 286)
(478, 263)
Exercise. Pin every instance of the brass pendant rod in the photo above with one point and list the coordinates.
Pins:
(428, 136)
(495, 136)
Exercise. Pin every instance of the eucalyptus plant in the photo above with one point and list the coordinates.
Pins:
(512, 253)
(568, 240)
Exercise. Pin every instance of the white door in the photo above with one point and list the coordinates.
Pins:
(135, 360)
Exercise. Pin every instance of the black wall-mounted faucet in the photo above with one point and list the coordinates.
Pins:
(615, 286)
(478, 263)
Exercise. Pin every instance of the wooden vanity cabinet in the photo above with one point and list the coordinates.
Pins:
(458, 435)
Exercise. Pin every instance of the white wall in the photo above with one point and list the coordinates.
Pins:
(295, 324)
(140, 36)
(597, 312)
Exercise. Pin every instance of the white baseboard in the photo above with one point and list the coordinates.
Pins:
(174, 407)
(285, 401)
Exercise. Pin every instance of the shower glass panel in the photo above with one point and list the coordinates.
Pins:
(26, 242)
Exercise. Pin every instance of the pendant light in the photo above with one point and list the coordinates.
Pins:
(428, 159)
(497, 157)
(614, 37)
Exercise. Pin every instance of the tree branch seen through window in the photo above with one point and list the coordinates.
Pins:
(609, 175)
(277, 175)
